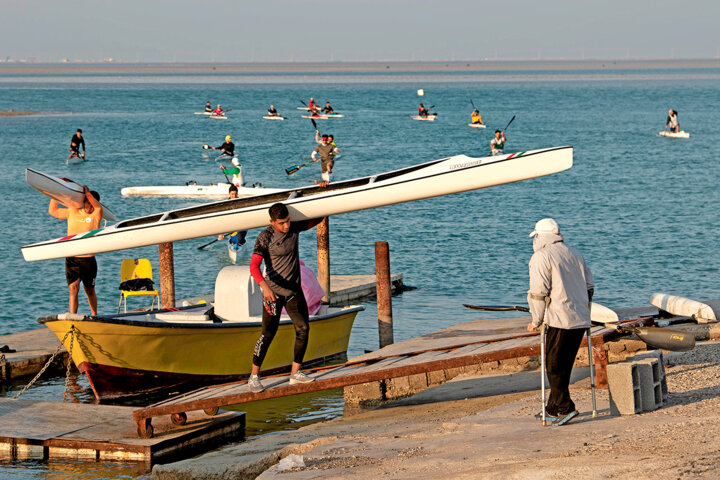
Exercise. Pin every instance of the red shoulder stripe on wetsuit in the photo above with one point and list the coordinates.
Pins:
(255, 262)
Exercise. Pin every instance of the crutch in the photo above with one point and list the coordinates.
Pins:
(592, 373)
(542, 371)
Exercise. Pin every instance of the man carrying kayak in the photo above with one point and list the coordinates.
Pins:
(422, 111)
(228, 148)
(561, 289)
(497, 144)
(672, 121)
(272, 112)
(208, 107)
(327, 109)
(235, 171)
(277, 246)
(476, 118)
(82, 268)
(75, 143)
(325, 152)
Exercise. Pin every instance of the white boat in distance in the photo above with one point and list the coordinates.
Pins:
(192, 190)
(477, 125)
(681, 134)
(455, 174)
(273, 117)
(429, 118)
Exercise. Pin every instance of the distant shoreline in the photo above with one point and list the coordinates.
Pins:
(7, 68)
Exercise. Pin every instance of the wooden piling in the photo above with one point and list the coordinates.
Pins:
(384, 293)
(167, 275)
(323, 256)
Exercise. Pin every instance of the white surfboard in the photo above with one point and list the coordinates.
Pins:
(65, 191)
(684, 307)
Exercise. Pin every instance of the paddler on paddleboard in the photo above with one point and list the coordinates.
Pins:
(476, 118)
(82, 268)
(235, 171)
(672, 121)
(75, 143)
(218, 112)
(325, 152)
(208, 107)
(561, 289)
(227, 148)
(277, 246)
(272, 112)
(422, 111)
(327, 109)
(497, 144)
(312, 106)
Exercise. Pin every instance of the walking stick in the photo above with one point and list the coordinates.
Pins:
(542, 372)
(592, 373)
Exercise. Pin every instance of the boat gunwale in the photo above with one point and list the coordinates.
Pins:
(209, 324)
(166, 218)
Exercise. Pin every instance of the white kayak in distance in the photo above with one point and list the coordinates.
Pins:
(203, 113)
(218, 117)
(680, 134)
(65, 191)
(429, 118)
(234, 249)
(273, 117)
(477, 125)
(194, 190)
(445, 176)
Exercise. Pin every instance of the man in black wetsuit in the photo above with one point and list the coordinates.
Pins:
(228, 148)
(75, 143)
(277, 246)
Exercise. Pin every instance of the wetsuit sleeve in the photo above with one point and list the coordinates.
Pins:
(255, 262)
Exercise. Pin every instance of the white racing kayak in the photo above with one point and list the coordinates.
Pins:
(477, 125)
(203, 113)
(680, 134)
(194, 190)
(445, 176)
(429, 118)
(218, 117)
(316, 117)
(234, 249)
(273, 117)
(65, 191)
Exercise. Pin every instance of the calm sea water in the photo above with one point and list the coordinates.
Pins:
(643, 209)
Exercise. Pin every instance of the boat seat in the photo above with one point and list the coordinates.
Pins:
(136, 268)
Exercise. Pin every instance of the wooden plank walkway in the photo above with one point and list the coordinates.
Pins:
(37, 429)
(466, 344)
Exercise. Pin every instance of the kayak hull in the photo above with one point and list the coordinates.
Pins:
(681, 134)
(273, 117)
(477, 125)
(445, 176)
(216, 190)
(429, 118)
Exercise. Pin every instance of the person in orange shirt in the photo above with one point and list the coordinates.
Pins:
(81, 268)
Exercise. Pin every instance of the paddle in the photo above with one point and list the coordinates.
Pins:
(206, 147)
(207, 244)
(506, 126)
(295, 168)
(473, 104)
(664, 338)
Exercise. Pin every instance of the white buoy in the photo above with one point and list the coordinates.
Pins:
(421, 92)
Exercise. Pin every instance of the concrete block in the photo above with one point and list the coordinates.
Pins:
(363, 393)
(624, 387)
(658, 372)
(418, 382)
(397, 388)
(436, 377)
(647, 386)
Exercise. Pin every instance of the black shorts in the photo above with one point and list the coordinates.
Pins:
(83, 268)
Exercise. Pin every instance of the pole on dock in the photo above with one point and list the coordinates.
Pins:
(384, 293)
(323, 256)
(167, 275)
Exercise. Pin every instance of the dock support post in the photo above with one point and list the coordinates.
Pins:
(384, 293)
(323, 256)
(167, 275)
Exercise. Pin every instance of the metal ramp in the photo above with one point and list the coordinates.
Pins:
(451, 352)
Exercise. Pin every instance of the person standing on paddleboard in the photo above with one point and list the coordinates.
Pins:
(497, 144)
(277, 246)
(75, 143)
(324, 152)
(672, 121)
(561, 289)
(82, 268)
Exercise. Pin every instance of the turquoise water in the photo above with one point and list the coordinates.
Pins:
(643, 209)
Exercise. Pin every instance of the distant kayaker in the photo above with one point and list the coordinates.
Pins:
(218, 111)
(228, 148)
(235, 171)
(75, 142)
(324, 152)
(561, 289)
(476, 118)
(497, 144)
(208, 107)
(422, 111)
(277, 246)
(237, 238)
(82, 268)
(312, 106)
(672, 121)
(272, 112)
(327, 109)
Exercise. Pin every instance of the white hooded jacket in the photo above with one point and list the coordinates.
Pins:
(561, 284)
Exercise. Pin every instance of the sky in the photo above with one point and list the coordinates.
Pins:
(355, 30)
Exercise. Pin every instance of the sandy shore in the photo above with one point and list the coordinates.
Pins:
(483, 427)
(350, 67)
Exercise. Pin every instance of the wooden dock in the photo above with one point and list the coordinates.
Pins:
(463, 345)
(37, 429)
(35, 347)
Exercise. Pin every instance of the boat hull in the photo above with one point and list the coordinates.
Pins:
(681, 134)
(217, 190)
(440, 177)
(131, 357)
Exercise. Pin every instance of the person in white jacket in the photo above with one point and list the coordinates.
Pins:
(561, 289)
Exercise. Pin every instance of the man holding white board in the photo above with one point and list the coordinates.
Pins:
(82, 268)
